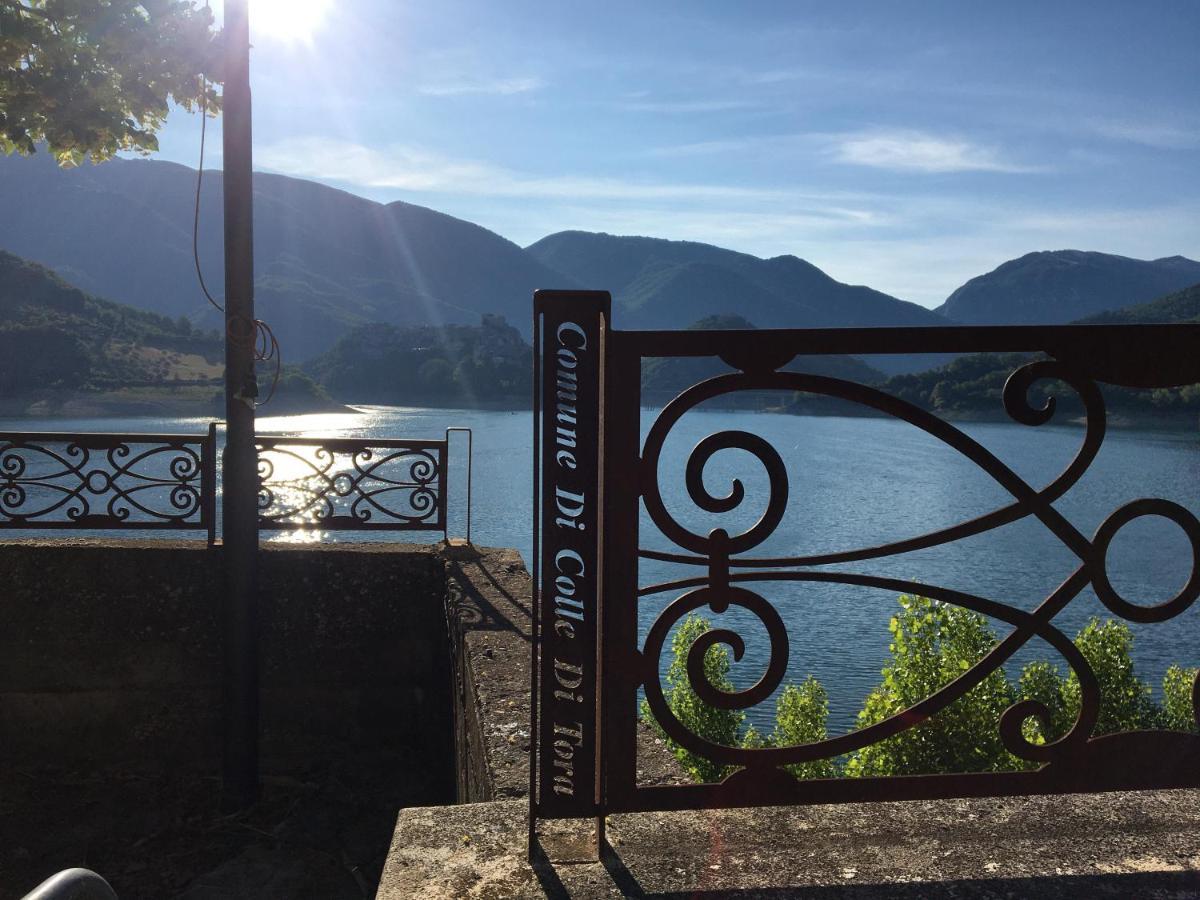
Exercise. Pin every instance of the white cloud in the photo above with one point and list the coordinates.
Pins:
(915, 246)
(414, 169)
(684, 107)
(914, 151)
(1160, 135)
(496, 86)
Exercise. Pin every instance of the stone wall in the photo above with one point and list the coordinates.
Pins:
(110, 652)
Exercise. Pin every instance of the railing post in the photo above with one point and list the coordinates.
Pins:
(470, 461)
(570, 330)
(240, 532)
(208, 483)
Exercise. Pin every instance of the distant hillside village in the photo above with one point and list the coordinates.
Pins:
(398, 304)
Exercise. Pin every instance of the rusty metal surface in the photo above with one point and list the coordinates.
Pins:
(353, 484)
(727, 570)
(58, 480)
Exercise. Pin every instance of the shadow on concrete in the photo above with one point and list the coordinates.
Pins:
(470, 603)
(547, 875)
(1180, 885)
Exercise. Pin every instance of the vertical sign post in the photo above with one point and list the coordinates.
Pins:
(569, 333)
(240, 469)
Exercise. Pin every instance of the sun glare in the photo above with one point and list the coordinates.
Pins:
(290, 21)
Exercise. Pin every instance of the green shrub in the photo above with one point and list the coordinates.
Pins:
(721, 726)
(1042, 681)
(801, 717)
(1178, 714)
(1125, 702)
(932, 644)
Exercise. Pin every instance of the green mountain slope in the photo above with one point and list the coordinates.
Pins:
(972, 386)
(468, 365)
(325, 260)
(53, 335)
(1182, 306)
(1060, 286)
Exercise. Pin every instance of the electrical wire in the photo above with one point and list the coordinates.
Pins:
(199, 184)
(266, 345)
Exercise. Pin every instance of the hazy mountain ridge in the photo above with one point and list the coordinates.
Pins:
(656, 283)
(1059, 286)
(1181, 306)
(326, 260)
(972, 386)
(54, 335)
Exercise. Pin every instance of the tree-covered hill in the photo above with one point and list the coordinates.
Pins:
(53, 335)
(469, 365)
(971, 386)
(1182, 306)
(1059, 286)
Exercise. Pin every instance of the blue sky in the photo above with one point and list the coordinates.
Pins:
(908, 146)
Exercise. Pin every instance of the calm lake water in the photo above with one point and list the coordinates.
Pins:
(853, 482)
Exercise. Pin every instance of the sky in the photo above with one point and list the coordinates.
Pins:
(904, 145)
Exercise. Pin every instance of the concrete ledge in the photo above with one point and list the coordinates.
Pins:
(488, 605)
(1124, 845)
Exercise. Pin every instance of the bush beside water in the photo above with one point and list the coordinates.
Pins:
(932, 644)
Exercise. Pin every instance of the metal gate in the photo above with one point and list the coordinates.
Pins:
(594, 473)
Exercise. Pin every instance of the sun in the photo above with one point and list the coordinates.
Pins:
(289, 21)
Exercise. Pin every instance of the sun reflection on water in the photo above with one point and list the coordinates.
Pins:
(292, 477)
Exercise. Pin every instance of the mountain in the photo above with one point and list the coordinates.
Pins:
(658, 283)
(325, 260)
(972, 386)
(1055, 287)
(64, 351)
(53, 335)
(1182, 306)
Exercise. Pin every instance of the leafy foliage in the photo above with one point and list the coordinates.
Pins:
(721, 726)
(932, 644)
(93, 77)
(1042, 681)
(1125, 703)
(801, 717)
(1178, 712)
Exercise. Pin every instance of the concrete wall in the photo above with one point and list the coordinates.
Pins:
(110, 652)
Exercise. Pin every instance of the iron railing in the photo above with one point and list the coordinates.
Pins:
(595, 473)
(354, 484)
(55, 480)
(101, 481)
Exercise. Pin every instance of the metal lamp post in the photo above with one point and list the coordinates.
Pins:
(239, 610)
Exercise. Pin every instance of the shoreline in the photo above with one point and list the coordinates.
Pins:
(123, 405)
(53, 404)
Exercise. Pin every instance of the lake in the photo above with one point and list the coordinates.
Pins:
(853, 482)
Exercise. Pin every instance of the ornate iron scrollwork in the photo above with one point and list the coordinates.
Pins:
(99, 481)
(351, 484)
(730, 571)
